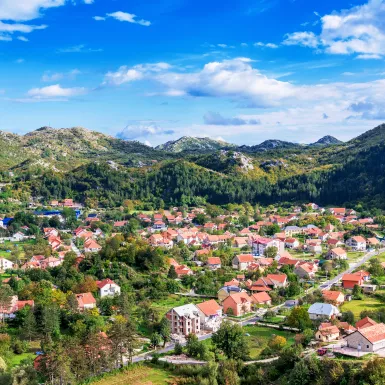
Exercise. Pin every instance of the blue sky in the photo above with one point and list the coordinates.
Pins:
(243, 71)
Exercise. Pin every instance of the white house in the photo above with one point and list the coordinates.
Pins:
(210, 314)
(184, 320)
(242, 261)
(5, 264)
(357, 243)
(18, 237)
(261, 244)
(108, 287)
(322, 311)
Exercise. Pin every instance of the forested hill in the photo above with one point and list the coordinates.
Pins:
(328, 174)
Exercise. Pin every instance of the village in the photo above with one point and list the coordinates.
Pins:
(292, 272)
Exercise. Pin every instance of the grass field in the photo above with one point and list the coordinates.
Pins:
(357, 306)
(354, 255)
(260, 336)
(138, 375)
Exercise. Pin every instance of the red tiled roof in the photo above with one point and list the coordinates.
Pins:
(365, 322)
(261, 297)
(208, 308)
(245, 258)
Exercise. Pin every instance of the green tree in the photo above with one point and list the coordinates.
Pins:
(231, 340)
(29, 327)
(6, 294)
(299, 318)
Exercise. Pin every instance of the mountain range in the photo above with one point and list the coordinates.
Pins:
(90, 166)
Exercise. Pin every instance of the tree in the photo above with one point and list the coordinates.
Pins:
(165, 330)
(300, 375)
(29, 327)
(293, 289)
(357, 292)
(277, 343)
(6, 294)
(155, 339)
(375, 268)
(271, 252)
(123, 338)
(299, 318)
(374, 372)
(231, 340)
(172, 273)
(348, 316)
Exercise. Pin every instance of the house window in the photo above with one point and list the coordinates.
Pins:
(367, 346)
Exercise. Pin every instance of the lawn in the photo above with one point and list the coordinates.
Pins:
(354, 255)
(260, 336)
(357, 306)
(138, 375)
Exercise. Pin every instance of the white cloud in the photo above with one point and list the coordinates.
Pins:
(268, 45)
(216, 119)
(24, 10)
(55, 91)
(19, 61)
(306, 39)
(125, 17)
(142, 129)
(88, 1)
(22, 38)
(49, 76)
(81, 48)
(358, 30)
(126, 74)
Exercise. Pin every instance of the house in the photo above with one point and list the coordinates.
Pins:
(5, 264)
(108, 287)
(225, 291)
(334, 297)
(271, 281)
(261, 298)
(338, 253)
(327, 332)
(322, 311)
(260, 245)
(291, 243)
(365, 322)
(293, 230)
(240, 241)
(338, 211)
(159, 226)
(184, 320)
(305, 270)
(85, 301)
(214, 263)
(357, 243)
(182, 270)
(237, 304)
(91, 246)
(373, 242)
(314, 247)
(334, 242)
(368, 340)
(18, 237)
(242, 261)
(351, 280)
(50, 262)
(210, 315)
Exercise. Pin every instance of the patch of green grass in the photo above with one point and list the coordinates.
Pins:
(354, 255)
(138, 375)
(17, 358)
(357, 306)
(260, 337)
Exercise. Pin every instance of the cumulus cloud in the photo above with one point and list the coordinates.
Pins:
(306, 39)
(216, 119)
(359, 30)
(142, 129)
(88, 1)
(55, 92)
(24, 10)
(125, 17)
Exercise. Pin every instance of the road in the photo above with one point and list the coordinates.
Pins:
(325, 285)
(328, 284)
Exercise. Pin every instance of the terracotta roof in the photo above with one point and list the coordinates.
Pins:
(208, 308)
(85, 299)
(261, 297)
(245, 258)
(374, 333)
(105, 282)
(351, 277)
(213, 260)
(365, 322)
(331, 295)
(241, 297)
(358, 238)
(338, 251)
(277, 277)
